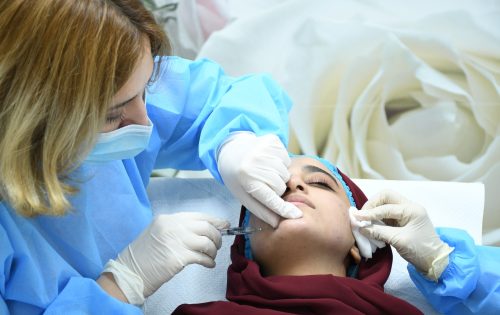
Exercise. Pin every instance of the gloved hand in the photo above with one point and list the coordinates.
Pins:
(170, 243)
(255, 170)
(408, 229)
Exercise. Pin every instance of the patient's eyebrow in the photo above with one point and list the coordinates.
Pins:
(315, 169)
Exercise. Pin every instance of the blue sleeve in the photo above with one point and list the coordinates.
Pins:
(27, 287)
(84, 296)
(471, 282)
(195, 106)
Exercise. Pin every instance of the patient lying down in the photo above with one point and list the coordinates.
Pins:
(309, 265)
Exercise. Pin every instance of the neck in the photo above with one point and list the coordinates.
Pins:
(306, 264)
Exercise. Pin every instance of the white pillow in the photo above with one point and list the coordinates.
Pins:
(448, 204)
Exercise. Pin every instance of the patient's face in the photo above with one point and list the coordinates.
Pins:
(325, 224)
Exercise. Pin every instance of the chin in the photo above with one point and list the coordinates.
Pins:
(293, 225)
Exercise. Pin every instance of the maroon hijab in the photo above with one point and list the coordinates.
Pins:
(248, 292)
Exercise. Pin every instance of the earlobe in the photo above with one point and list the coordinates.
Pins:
(356, 256)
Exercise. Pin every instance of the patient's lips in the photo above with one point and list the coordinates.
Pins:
(298, 200)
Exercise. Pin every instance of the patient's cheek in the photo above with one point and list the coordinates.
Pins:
(287, 224)
(293, 228)
(285, 231)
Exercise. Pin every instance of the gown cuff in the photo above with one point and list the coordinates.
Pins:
(459, 278)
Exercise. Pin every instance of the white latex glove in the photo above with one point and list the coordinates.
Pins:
(408, 229)
(170, 243)
(255, 170)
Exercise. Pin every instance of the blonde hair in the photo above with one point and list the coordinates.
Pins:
(61, 63)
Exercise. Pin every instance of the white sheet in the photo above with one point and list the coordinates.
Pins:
(448, 204)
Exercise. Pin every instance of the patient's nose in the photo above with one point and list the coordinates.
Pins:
(299, 187)
(294, 184)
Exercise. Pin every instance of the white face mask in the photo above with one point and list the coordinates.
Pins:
(122, 143)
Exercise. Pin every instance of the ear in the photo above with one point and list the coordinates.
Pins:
(356, 256)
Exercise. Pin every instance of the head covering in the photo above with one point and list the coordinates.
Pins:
(248, 292)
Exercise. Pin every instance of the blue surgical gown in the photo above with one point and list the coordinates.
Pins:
(470, 284)
(50, 264)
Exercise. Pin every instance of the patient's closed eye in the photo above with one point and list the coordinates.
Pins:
(320, 182)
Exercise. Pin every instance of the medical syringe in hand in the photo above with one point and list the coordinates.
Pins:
(240, 230)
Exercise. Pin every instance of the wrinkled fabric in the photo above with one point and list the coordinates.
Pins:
(248, 292)
(471, 282)
(50, 263)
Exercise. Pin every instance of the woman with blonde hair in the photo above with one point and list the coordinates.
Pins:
(89, 106)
